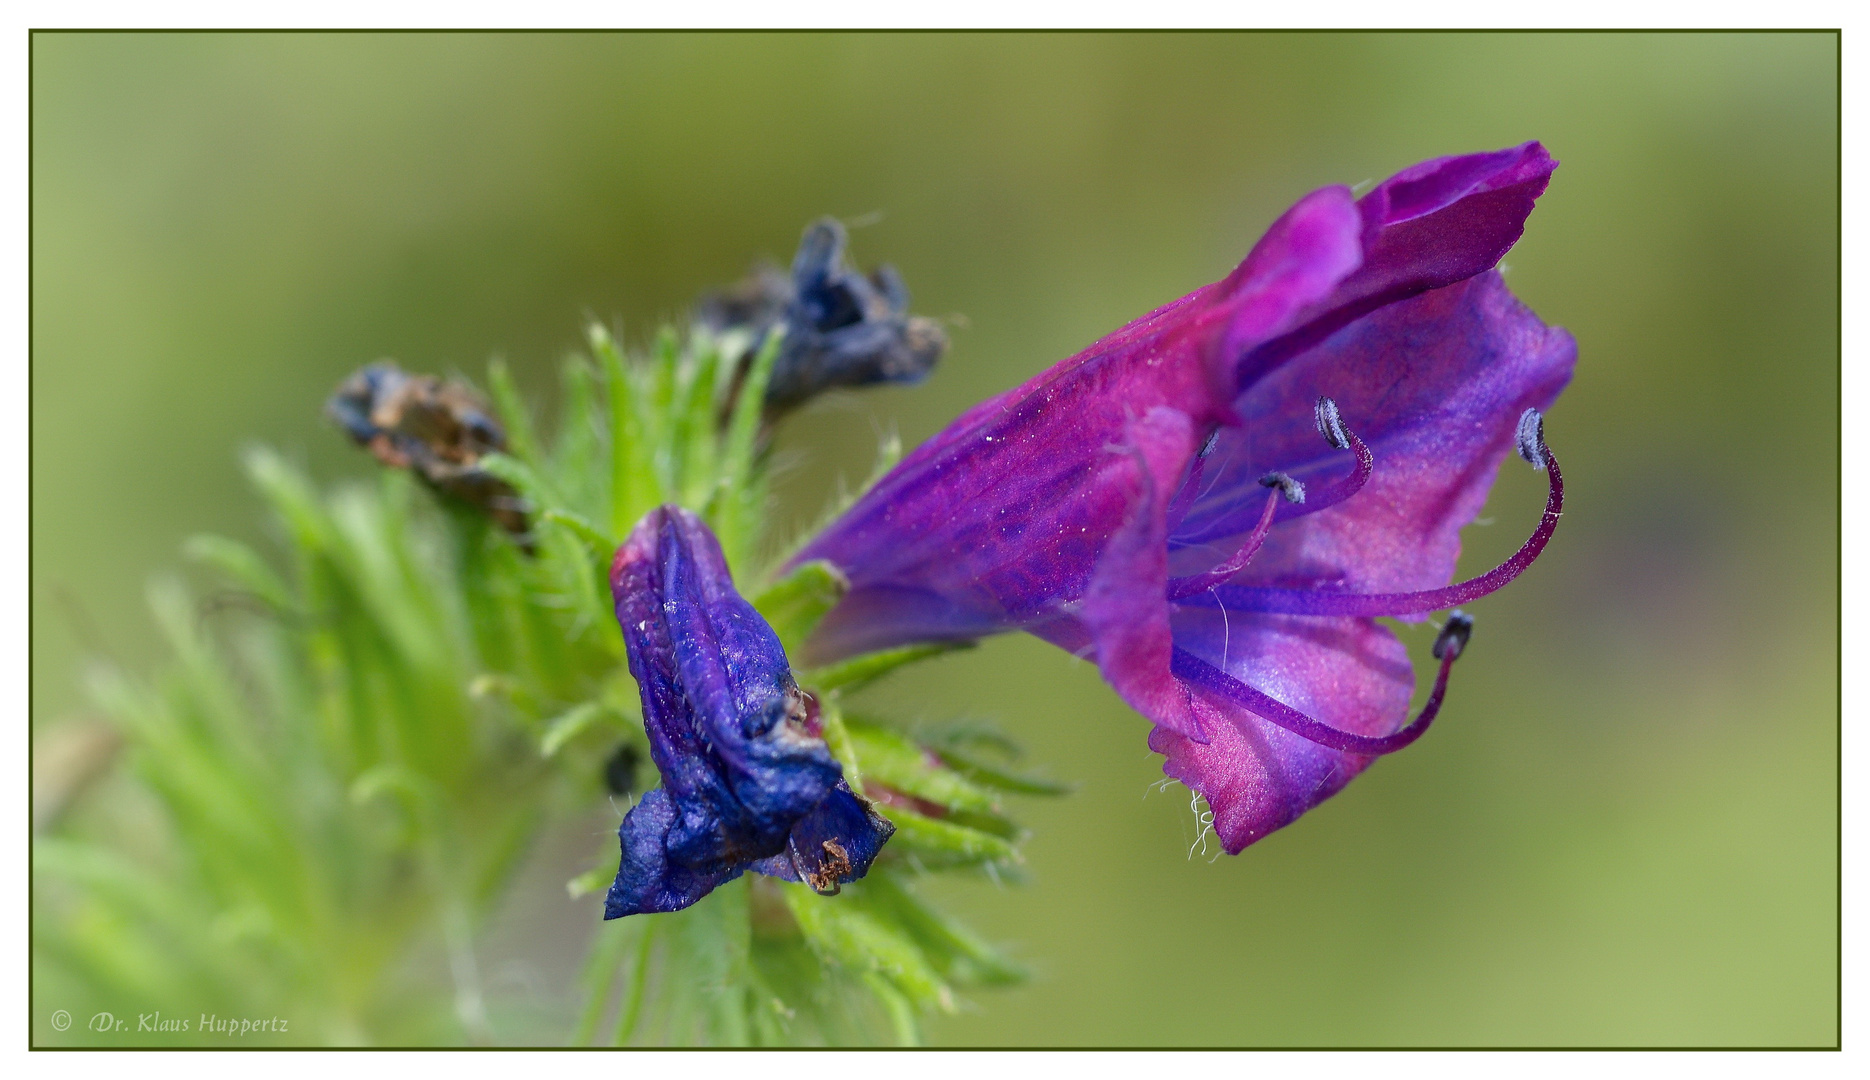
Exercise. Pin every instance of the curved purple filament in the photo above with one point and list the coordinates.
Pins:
(1188, 666)
(1325, 496)
(1183, 587)
(1278, 601)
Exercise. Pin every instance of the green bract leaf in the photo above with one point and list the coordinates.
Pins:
(634, 490)
(893, 759)
(945, 839)
(245, 567)
(966, 746)
(849, 935)
(348, 789)
(514, 416)
(291, 498)
(796, 603)
(889, 452)
(951, 948)
(741, 492)
(570, 724)
(994, 776)
(695, 437)
(859, 670)
(593, 880)
(838, 741)
(583, 529)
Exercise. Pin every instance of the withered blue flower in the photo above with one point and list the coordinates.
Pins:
(842, 328)
(1215, 501)
(747, 781)
(438, 430)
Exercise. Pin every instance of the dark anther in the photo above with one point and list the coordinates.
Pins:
(1531, 438)
(1453, 636)
(1208, 445)
(620, 770)
(1330, 424)
(1290, 488)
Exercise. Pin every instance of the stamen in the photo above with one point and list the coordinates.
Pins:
(1330, 424)
(1529, 439)
(1454, 634)
(1191, 487)
(1318, 497)
(1186, 665)
(1183, 587)
(1278, 601)
(1290, 488)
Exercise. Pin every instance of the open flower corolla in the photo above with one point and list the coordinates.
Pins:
(1216, 501)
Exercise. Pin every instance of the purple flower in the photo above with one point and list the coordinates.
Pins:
(746, 781)
(1215, 501)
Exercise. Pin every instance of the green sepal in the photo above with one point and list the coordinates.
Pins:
(570, 724)
(740, 490)
(517, 419)
(961, 957)
(601, 968)
(946, 840)
(522, 476)
(593, 880)
(421, 661)
(838, 741)
(634, 490)
(795, 604)
(901, 763)
(245, 568)
(583, 529)
(889, 453)
(290, 497)
(858, 940)
(963, 747)
(695, 437)
(1003, 779)
(861, 670)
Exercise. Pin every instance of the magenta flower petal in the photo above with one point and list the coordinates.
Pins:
(1256, 776)
(1215, 500)
(1038, 499)
(1123, 609)
(1433, 385)
(1427, 227)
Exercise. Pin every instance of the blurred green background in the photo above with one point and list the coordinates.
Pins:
(1623, 830)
